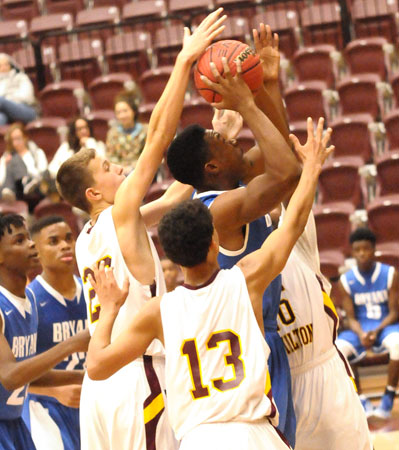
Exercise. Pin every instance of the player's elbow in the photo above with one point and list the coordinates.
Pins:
(10, 380)
(95, 369)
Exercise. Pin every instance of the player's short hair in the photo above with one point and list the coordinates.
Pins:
(8, 220)
(44, 222)
(187, 155)
(74, 177)
(363, 234)
(186, 233)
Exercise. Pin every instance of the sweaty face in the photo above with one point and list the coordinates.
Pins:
(56, 247)
(363, 252)
(18, 252)
(107, 177)
(124, 114)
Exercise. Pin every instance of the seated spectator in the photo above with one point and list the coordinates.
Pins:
(16, 93)
(370, 299)
(21, 167)
(79, 136)
(125, 140)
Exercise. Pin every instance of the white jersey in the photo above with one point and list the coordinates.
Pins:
(307, 318)
(100, 242)
(216, 355)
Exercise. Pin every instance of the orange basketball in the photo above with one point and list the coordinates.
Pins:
(251, 68)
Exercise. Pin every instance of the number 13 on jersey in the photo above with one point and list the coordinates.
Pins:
(232, 359)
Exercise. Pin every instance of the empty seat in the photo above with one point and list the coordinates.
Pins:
(98, 3)
(52, 22)
(330, 262)
(168, 41)
(197, 110)
(375, 18)
(236, 28)
(153, 82)
(129, 52)
(144, 15)
(46, 133)
(19, 9)
(81, 59)
(340, 181)
(383, 216)
(100, 121)
(9, 32)
(285, 22)
(191, 6)
(306, 100)
(15, 207)
(246, 139)
(103, 15)
(391, 122)
(333, 226)
(321, 23)
(359, 94)
(368, 55)
(145, 111)
(388, 253)
(64, 6)
(300, 129)
(388, 174)
(316, 63)
(104, 89)
(352, 137)
(63, 209)
(395, 87)
(62, 99)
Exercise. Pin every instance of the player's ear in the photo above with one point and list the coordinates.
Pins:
(211, 167)
(92, 194)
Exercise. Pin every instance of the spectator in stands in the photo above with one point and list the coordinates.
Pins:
(125, 140)
(21, 167)
(79, 136)
(171, 273)
(370, 299)
(16, 93)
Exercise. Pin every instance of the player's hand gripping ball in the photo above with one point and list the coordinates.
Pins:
(251, 68)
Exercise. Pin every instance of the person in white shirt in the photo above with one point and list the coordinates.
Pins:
(80, 135)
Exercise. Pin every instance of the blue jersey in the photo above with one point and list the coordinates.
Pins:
(369, 293)
(20, 323)
(255, 234)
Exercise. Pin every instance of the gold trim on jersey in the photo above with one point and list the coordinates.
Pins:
(154, 408)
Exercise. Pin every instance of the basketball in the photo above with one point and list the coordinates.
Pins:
(251, 68)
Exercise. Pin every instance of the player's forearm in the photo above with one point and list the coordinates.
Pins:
(391, 318)
(55, 378)
(269, 101)
(17, 374)
(355, 326)
(278, 159)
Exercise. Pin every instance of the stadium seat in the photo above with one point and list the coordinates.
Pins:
(333, 226)
(394, 79)
(188, 6)
(45, 132)
(157, 189)
(246, 139)
(375, 18)
(9, 31)
(197, 110)
(330, 262)
(104, 89)
(285, 22)
(383, 217)
(144, 15)
(64, 6)
(237, 28)
(153, 81)
(19, 9)
(62, 99)
(100, 121)
(52, 22)
(81, 60)
(388, 174)
(98, 3)
(388, 253)
(359, 94)
(321, 24)
(167, 43)
(340, 181)
(103, 15)
(129, 52)
(145, 111)
(352, 136)
(391, 122)
(368, 55)
(316, 63)
(300, 130)
(15, 207)
(63, 209)
(306, 100)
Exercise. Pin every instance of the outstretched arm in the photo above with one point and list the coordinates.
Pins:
(15, 374)
(105, 358)
(164, 121)
(263, 265)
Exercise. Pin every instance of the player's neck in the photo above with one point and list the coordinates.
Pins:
(62, 282)
(13, 282)
(199, 274)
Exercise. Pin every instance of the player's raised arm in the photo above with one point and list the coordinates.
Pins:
(263, 265)
(164, 119)
(105, 358)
